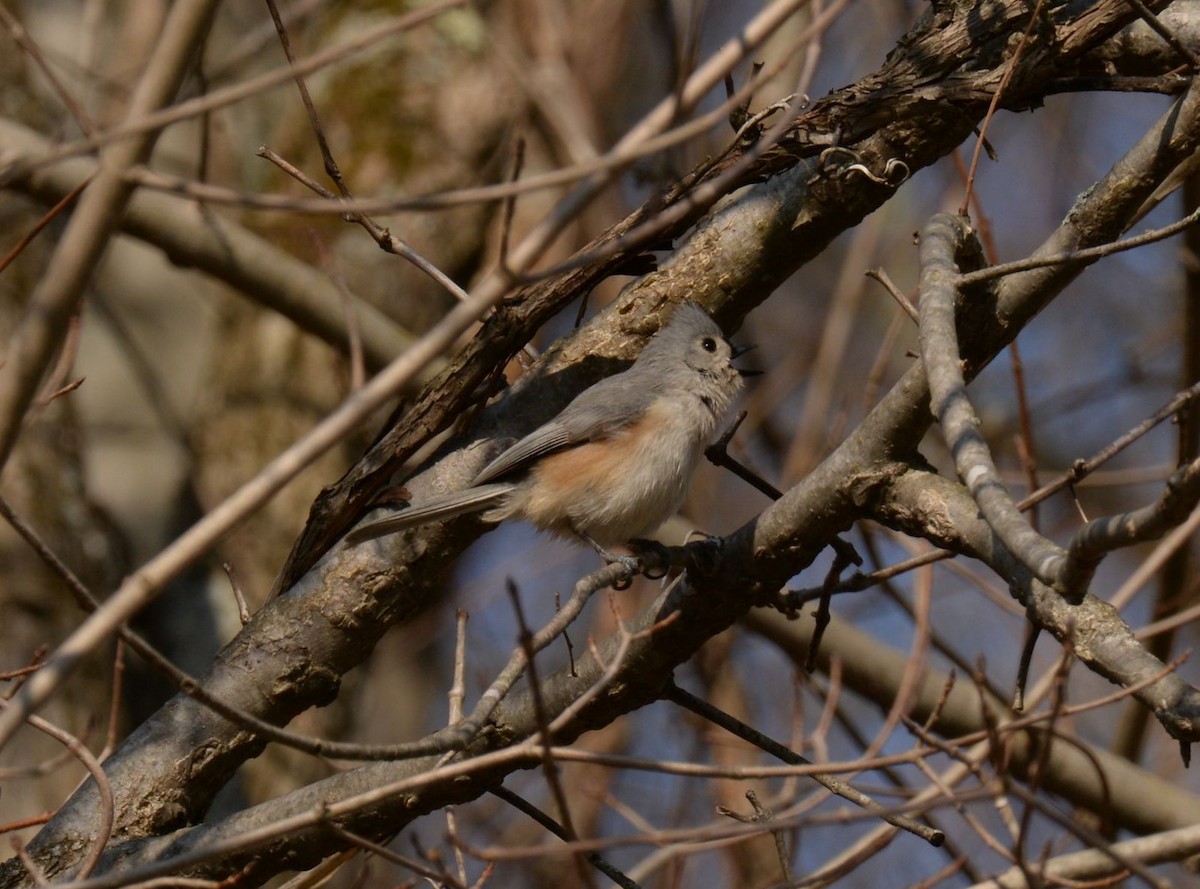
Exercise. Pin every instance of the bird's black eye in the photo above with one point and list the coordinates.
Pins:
(708, 344)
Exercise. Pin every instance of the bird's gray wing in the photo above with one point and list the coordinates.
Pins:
(596, 413)
(473, 499)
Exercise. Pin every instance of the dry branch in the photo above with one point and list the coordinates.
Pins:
(338, 601)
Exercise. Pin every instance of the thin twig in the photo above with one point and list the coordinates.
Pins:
(116, 702)
(893, 292)
(237, 92)
(106, 804)
(718, 454)
(29, 46)
(541, 719)
(440, 877)
(47, 217)
(239, 597)
(1086, 254)
(594, 858)
(510, 203)
(1035, 18)
(702, 708)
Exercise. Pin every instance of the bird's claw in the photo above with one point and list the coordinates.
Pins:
(654, 557)
(632, 566)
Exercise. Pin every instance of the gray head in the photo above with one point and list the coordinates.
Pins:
(692, 353)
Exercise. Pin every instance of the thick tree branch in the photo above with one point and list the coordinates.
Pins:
(916, 108)
(942, 240)
(192, 237)
(95, 220)
(1099, 537)
(1068, 571)
(291, 656)
(926, 505)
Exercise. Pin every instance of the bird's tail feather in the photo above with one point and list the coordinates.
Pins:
(461, 502)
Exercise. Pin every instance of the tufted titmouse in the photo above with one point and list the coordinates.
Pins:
(616, 462)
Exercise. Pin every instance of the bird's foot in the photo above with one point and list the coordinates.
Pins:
(655, 558)
(632, 564)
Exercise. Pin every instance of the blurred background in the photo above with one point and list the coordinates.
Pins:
(188, 385)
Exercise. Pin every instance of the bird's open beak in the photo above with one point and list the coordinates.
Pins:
(738, 351)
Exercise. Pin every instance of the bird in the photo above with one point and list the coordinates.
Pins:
(617, 461)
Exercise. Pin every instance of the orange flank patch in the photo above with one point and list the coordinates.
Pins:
(614, 488)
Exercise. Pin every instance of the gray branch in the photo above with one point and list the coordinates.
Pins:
(192, 237)
(942, 239)
(1099, 537)
(292, 654)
